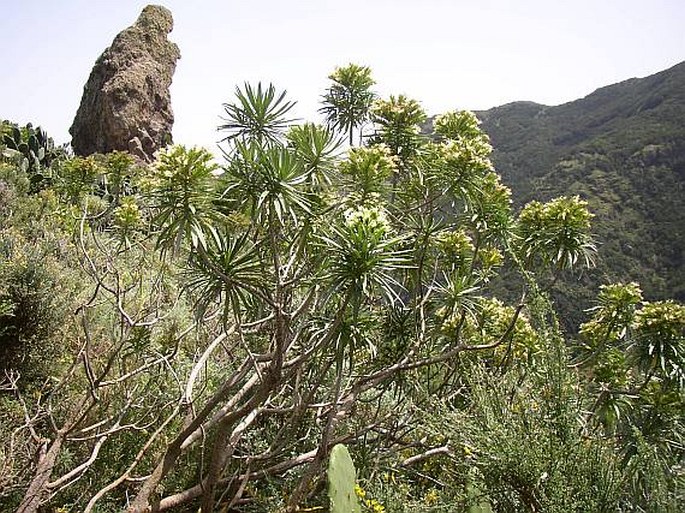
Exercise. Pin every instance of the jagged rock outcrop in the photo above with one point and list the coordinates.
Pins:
(126, 103)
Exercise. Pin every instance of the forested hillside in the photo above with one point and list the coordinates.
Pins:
(622, 148)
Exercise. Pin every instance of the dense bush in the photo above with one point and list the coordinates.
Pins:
(36, 284)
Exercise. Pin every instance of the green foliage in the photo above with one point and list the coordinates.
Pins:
(127, 219)
(317, 147)
(258, 116)
(5, 127)
(557, 233)
(521, 344)
(651, 335)
(109, 178)
(35, 151)
(659, 339)
(367, 171)
(362, 255)
(397, 124)
(621, 150)
(347, 101)
(34, 263)
(78, 178)
(459, 126)
(182, 186)
(341, 481)
(491, 213)
(528, 457)
(267, 183)
(457, 248)
(226, 273)
(232, 326)
(30, 311)
(633, 355)
(616, 305)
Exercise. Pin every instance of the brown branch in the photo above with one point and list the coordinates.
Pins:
(425, 455)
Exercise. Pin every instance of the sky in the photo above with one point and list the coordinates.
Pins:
(448, 54)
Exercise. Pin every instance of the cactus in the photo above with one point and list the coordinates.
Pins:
(341, 481)
(479, 503)
(37, 152)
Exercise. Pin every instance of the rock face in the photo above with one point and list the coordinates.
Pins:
(126, 103)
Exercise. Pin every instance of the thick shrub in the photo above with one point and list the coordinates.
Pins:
(31, 311)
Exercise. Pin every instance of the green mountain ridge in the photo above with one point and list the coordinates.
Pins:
(621, 148)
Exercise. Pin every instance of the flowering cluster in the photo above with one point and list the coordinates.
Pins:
(458, 125)
(367, 169)
(371, 505)
(456, 246)
(372, 219)
(127, 214)
(178, 165)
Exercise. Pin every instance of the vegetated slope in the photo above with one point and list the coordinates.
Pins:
(622, 148)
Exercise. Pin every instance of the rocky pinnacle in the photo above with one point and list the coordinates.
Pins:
(126, 103)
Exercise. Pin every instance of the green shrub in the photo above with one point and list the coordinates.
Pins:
(30, 309)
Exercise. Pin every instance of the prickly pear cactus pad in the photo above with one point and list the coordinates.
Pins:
(341, 481)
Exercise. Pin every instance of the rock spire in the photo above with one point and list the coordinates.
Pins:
(126, 103)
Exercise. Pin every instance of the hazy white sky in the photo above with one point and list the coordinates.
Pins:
(448, 54)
